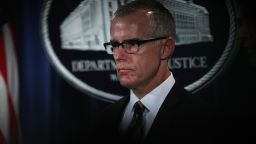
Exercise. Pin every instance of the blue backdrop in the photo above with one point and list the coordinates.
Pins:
(52, 111)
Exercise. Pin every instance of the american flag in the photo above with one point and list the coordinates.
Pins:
(9, 87)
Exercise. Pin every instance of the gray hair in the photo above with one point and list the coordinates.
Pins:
(161, 20)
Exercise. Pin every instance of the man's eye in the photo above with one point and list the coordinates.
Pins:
(114, 44)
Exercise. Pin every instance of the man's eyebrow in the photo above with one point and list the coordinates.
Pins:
(114, 41)
(132, 39)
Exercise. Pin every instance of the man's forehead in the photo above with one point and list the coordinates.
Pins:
(136, 18)
(136, 13)
(124, 23)
(120, 29)
(131, 25)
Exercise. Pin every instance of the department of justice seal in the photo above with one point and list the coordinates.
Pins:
(73, 32)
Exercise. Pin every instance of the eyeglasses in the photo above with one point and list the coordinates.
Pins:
(130, 46)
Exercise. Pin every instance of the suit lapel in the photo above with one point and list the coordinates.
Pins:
(164, 118)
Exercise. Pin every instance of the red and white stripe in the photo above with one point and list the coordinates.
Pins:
(9, 88)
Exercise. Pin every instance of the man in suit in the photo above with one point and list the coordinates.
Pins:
(142, 40)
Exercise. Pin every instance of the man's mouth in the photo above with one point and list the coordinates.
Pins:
(123, 71)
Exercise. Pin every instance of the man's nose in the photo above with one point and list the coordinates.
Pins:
(119, 53)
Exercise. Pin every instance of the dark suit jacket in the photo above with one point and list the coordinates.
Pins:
(181, 118)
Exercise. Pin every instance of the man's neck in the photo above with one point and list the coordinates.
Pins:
(143, 90)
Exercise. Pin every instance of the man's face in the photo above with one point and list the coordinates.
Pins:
(139, 69)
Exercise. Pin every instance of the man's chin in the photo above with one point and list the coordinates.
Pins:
(126, 84)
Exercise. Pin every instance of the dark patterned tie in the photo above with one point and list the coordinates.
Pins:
(135, 130)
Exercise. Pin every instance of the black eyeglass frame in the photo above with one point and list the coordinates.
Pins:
(132, 42)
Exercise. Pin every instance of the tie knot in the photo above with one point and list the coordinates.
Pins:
(139, 108)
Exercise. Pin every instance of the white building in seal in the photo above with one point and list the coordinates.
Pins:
(85, 27)
(192, 21)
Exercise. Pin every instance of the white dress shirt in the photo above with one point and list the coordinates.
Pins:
(152, 101)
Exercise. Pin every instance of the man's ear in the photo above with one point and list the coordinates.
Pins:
(168, 48)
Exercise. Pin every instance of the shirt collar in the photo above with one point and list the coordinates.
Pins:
(133, 100)
(153, 100)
